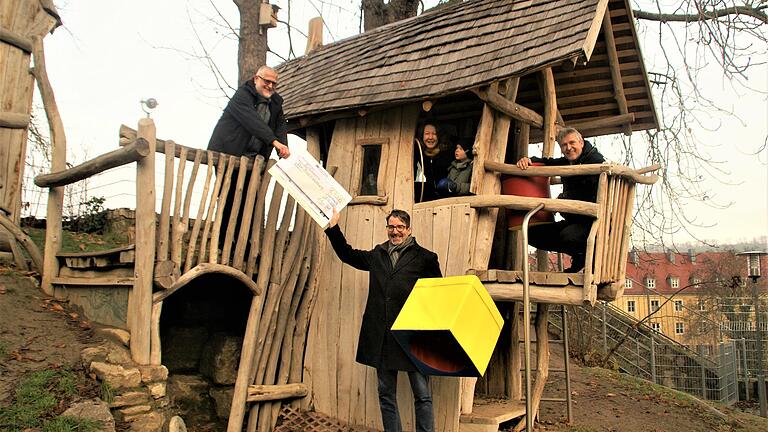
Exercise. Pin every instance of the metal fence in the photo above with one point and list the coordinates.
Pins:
(706, 371)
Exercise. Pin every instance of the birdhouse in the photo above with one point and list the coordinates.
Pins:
(268, 15)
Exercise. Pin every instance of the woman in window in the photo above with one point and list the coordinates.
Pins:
(430, 164)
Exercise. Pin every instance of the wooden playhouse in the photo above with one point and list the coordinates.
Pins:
(506, 73)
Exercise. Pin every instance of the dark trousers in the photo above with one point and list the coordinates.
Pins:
(563, 236)
(422, 400)
(227, 212)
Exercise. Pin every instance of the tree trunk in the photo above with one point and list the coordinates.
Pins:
(252, 48)
(377, 14)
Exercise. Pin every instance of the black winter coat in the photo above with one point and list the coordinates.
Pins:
(582, 188)
(240, 131)
(388, 288)
(435, 169)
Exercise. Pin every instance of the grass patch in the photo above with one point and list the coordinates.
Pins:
(107, 395)
(36, 399)
(80, 242)
(3, 350)
(70, 424)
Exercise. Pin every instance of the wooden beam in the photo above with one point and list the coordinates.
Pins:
(101, 281)
(594, 30)
(613, 63)
(261, 393)
(12, 120)
(23, 238)
(131, 153)
(623, 119)
(128, 135)
(512, 109)
(571, 170)
(22, 42)
(570, 294)
(547, 82)
(515, 202)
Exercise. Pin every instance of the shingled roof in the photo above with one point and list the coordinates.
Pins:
(447, 51)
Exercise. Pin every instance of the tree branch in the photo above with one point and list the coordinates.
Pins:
(754, 12)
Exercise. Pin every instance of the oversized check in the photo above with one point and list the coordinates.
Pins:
(316, 191)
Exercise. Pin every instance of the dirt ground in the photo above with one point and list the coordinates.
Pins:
(35, 332)
(38, 333)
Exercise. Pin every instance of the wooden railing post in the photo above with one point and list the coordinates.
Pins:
(58, 162)
(140, 304)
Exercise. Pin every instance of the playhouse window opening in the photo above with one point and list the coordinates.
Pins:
(370, 172)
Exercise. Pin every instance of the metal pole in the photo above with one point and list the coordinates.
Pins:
(759, 334)
(746, 366)
(653, 360)
(605, 331)
(702, 358)
(568, 398)
(527, 321)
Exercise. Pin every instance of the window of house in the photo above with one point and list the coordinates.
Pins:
(630, 306)
(695, 281)
(656, 326)
(702, 305)
(369, 167)
(370, 173)
(628, 284)
(678, 305)
(679, 328)
(650, 283)
(654, 305)
(674, 282)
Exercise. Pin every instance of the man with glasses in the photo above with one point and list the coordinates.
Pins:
(393, 268)
(252, 122)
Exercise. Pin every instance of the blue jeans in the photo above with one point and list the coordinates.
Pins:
(422, 401)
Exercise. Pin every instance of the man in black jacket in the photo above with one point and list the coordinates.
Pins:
(568, 235)
(393, 268)
(253, 122)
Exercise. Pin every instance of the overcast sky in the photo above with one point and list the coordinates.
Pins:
(111, 54)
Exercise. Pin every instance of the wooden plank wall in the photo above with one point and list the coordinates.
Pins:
(22, 19)
(341, 387)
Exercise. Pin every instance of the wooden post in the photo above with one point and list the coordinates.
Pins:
(58, 162)
(550, 111)
(140, 303)
(613, 63)
(314, 34)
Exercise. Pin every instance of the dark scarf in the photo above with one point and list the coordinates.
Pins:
(395, 250)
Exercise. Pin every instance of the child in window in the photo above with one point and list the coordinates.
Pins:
(459, 173)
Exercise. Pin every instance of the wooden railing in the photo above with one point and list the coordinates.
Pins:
(608, 240)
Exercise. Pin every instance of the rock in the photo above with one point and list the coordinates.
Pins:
(129, 399)
(118, 354)
(132, 410)
(189, 392)
(116, 376)
(116, 334)
(94, 409)
(222, 400)
(177, 425)
(220, 358)
(182, 347)
(148, 422)
(157, 390)
(92, 354)
(153, 373)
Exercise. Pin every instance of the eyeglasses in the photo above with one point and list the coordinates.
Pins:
(400, 228)
(270, 82)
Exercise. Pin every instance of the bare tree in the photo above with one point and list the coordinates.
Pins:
(376, 13)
